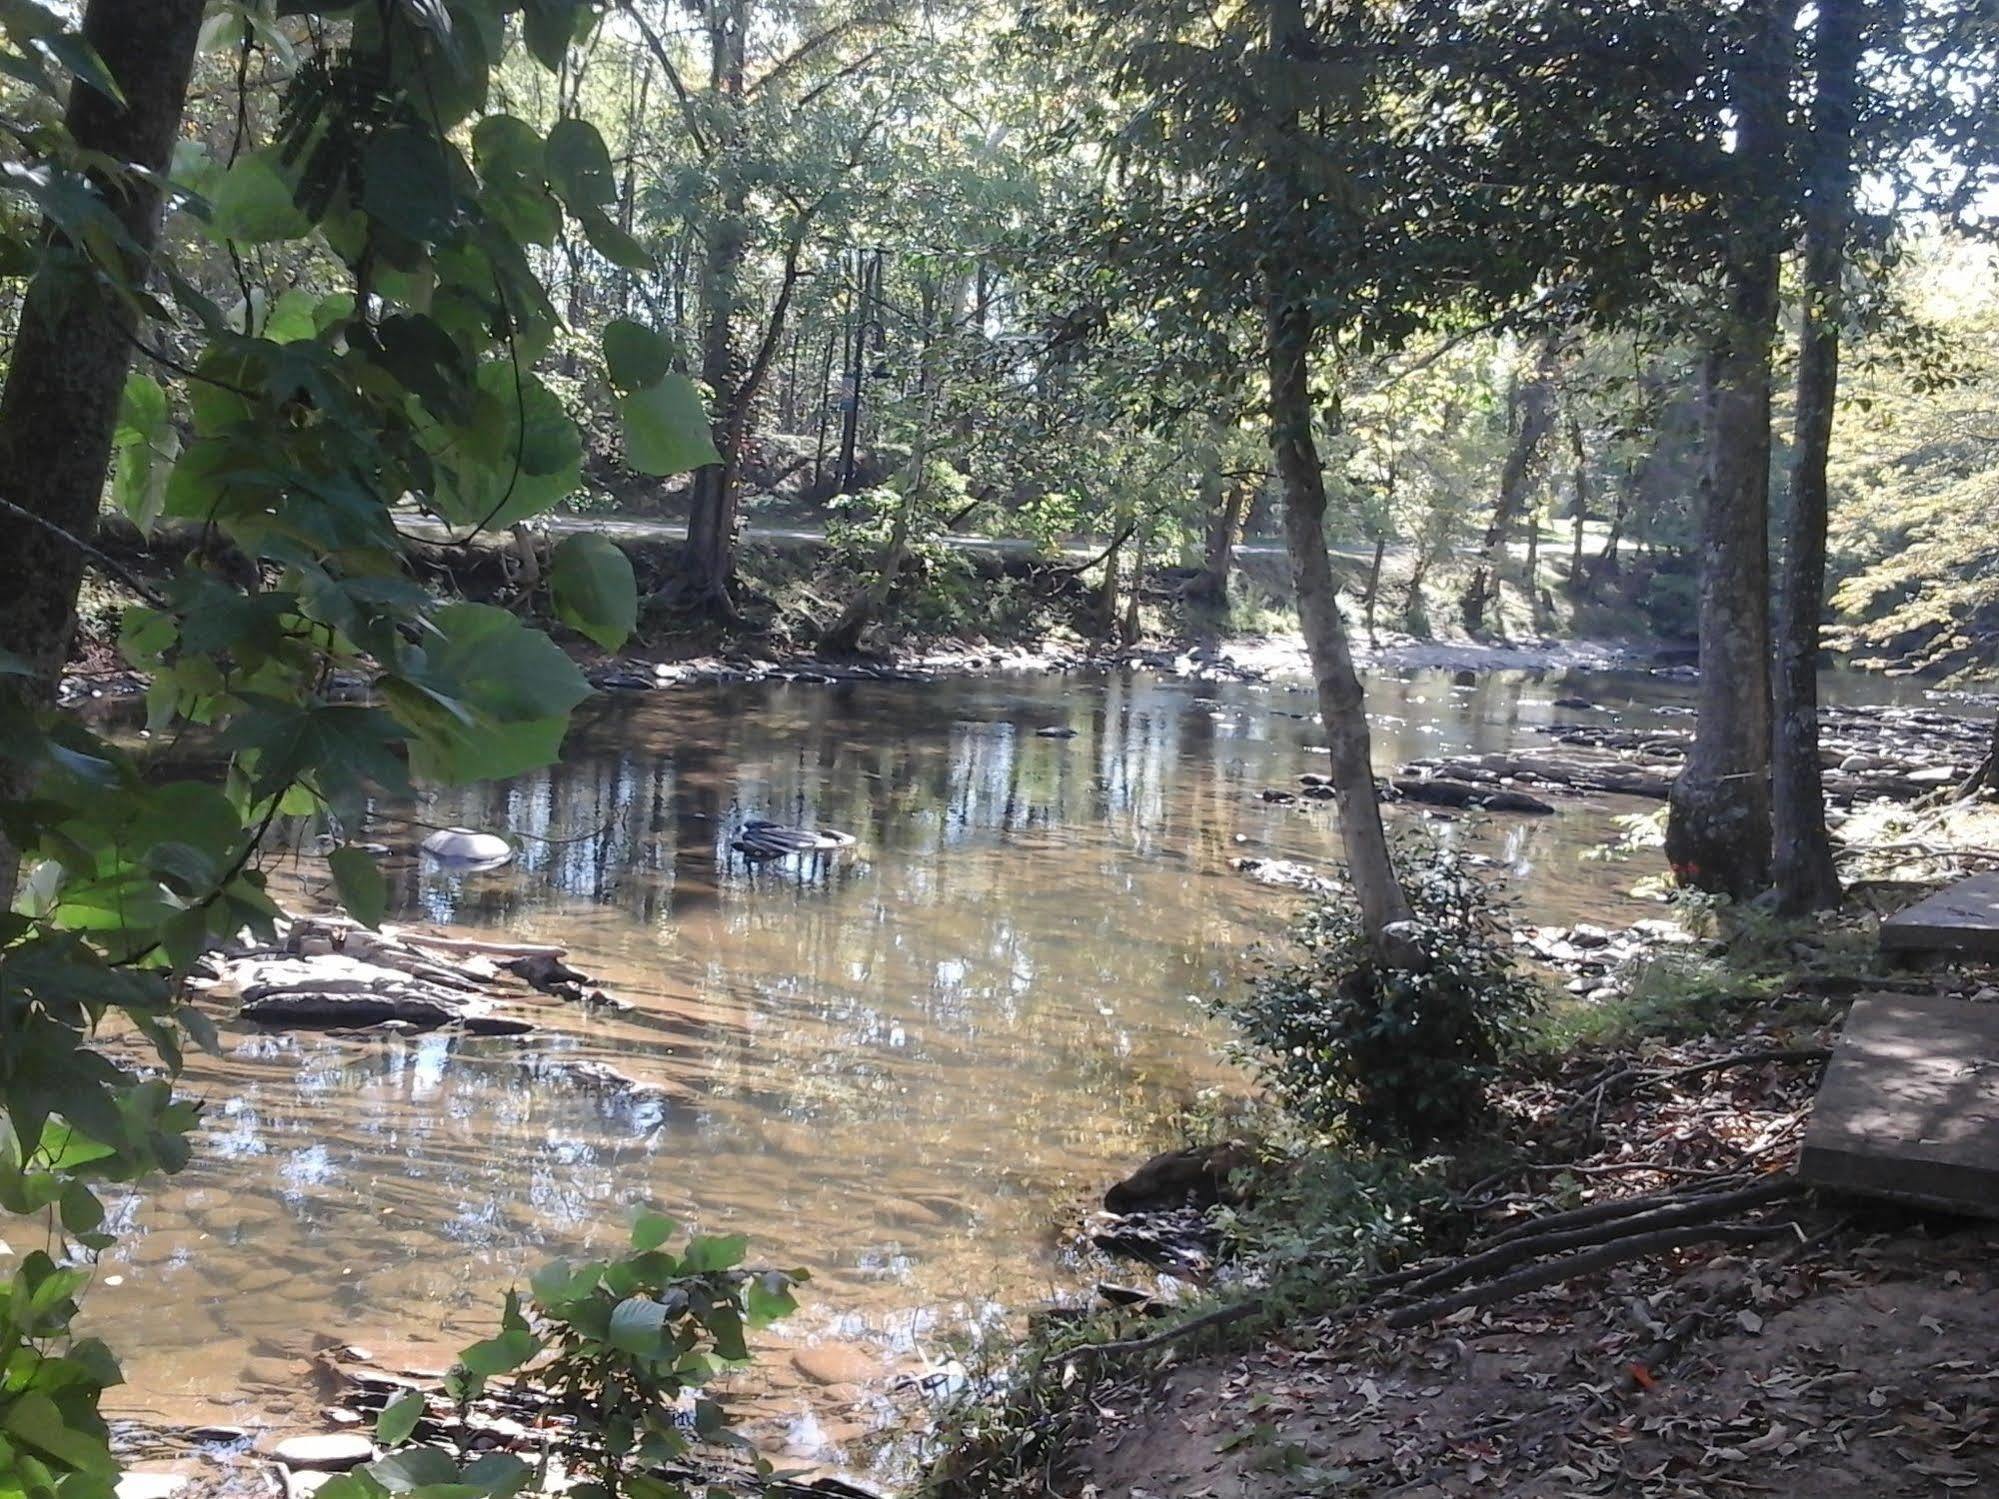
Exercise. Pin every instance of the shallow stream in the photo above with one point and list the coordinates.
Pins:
(907, 1067)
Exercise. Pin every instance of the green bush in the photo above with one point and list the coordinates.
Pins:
(1392, 1056)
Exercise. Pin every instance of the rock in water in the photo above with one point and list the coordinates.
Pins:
(466, 849)
(1195, 1177)
(761, 840)
(334, 1452)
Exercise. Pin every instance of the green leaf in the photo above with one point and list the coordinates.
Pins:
(252, 202)
(520, 455)
(398, 1418)
(487, 698)
(363, 891)
(634, 355)
(548, 27)
(591, 584)
(637, 1326)
(144, 447)
(414, 1468)
(666, 429)
(35, 1420)
(406, 183)
(611, 241)
(502, 1354)
(720, 1252)
(579, 165)
(650, 1230)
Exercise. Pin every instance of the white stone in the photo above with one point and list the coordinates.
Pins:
(328, 1452)
(134, 1485)
(463, 846)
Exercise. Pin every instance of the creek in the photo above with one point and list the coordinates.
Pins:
(910, 1066)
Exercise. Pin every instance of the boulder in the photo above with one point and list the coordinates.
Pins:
(1196, 1177)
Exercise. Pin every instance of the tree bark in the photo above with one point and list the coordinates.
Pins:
(1342, 706)
(72, 348)
(1718, 827)
(711, 518)
(1537, 415)
(66, 372)
(1985, 777)
(1806, 878)
(1579, 512)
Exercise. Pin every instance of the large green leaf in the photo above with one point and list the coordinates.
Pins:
(406, 183)
(666, 428)
(252, 202)
(486, 697)
(143, 450)
(520, 455)
(363, 891)
(634, 355)
(637, 1325)
(580, 165)
(591, 584)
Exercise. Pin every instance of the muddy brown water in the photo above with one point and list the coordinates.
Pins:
(908, 1067)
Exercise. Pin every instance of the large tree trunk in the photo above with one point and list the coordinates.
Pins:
(1806, 878)
(1537, 415)
(73, 345)
(1718, 829)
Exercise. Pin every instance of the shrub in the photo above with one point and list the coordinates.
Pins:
(1393, 1056)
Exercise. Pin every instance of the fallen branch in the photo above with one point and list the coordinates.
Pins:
(1241, 1311)
(1602, 1258)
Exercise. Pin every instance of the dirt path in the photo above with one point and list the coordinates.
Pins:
(1870, 1371)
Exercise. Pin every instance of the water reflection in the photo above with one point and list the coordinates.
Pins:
(902, 1066)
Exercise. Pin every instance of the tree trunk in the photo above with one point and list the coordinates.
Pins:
(73, 345)
(1342, 705)
(1373, 594)
(66, 371)
(711, 510)
(1537, 415)
(1579, 513)
(1133, 626)
(1718, 827)
(1985, 778)
(1806, 878)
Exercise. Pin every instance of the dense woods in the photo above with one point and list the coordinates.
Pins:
(1659, 322)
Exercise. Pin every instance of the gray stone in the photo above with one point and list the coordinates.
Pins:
(327, 1452)
(1962, 919)
(1909, 1107)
